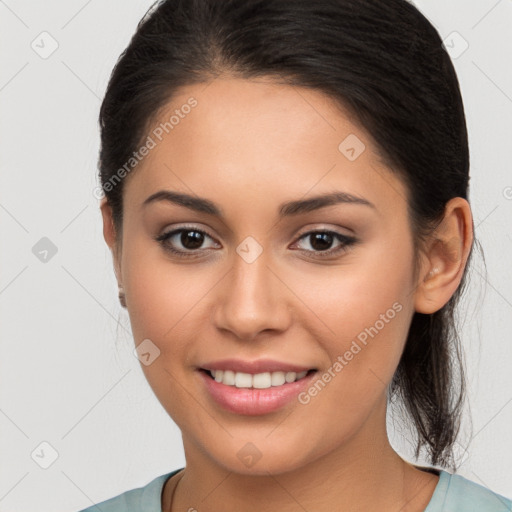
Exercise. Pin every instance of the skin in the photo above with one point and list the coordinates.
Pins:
(249, 146)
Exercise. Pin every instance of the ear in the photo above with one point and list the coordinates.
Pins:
(445, 258)
(110, 236)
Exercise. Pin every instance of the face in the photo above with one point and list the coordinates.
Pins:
(324, 286)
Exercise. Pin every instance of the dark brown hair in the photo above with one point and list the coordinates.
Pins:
(383, 62)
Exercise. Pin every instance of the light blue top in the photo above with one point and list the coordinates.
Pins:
(453, 493)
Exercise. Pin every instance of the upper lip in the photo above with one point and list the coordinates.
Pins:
(254, 367)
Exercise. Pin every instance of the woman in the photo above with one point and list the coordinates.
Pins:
(286, 201)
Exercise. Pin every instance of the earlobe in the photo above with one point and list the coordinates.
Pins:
(445, 258)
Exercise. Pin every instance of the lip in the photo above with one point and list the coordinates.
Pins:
(253, 367)
(253, 402)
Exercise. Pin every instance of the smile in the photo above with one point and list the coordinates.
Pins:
(258, 381)
(254, 394)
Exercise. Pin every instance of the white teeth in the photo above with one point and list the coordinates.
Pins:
(243, 380)
(277, 378)
(290, 376)
(228, 377)
(262, 380)
(258, 381)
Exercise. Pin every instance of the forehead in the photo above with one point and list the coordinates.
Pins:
(268, 139)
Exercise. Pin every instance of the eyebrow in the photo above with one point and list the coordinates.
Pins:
(289, 208)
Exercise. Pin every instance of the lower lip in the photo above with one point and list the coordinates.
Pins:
(252, 401)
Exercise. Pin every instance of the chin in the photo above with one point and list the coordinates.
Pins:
(260, 458)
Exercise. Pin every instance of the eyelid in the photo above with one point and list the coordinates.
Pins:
(300, 234)
(178, 227)
(324, 228)
(167, 233)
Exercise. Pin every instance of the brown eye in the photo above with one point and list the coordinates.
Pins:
(321, 242)
(191, 239)
(184, 241)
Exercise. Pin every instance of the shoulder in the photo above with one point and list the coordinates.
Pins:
(454, 493)
(147, 498)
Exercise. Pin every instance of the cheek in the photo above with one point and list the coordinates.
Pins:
(352, 296)
(164, 302)
(160, 294)
(362, 313)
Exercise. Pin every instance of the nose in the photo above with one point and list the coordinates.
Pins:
(252, 300)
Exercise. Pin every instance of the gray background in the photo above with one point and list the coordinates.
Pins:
(68, 376)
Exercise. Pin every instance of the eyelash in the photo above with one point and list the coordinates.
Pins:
(346, 242)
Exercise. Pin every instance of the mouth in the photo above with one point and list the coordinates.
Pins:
(254, 394)
(263, 380)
